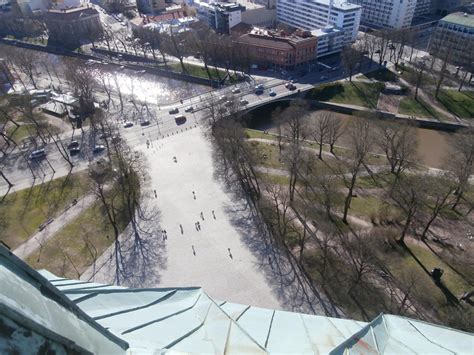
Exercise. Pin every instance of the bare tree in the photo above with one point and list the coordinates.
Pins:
(461, 162)
(320, 129)
(83, 84)
(360, 143)
(335, 131)
(439, 197)
(351, 59)
(409, 195)
(399, 142)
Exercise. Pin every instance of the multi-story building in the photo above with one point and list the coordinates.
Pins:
(386, 13)
(151, 6)
(71, 26)
(423, 8)
(5, 6)
(453, 39)
(330, 40)
(277, 49)
(220, 16)
(316, 14)
(444, 7)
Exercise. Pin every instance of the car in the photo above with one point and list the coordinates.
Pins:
(189, 109)
(288, 84)
(228, 103)
(323, 77)
(236, 91)
(174, 111)
(258, 91)
(37, 154)
(121, 67)
(123, 24)
(98, 148)
(272, 93)
(180, 119)
(73, 144)
(222, 98)
(74, 151)
(127, 124)
(104, 135)
(259, 86)
(292, 87)
(145, 122)
(243, 102)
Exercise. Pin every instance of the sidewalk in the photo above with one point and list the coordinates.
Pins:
(41, 237)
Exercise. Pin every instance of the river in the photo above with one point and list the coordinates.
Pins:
(433, 146)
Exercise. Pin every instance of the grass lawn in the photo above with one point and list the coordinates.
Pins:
(460, 103)
(406, 267)
(19, 133)
(356, 93)
(382, 75)
(253, 133)
(417, 108)
(73, 249)
(22, 212)
(365, 206)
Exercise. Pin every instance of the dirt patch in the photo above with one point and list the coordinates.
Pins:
(389, 103)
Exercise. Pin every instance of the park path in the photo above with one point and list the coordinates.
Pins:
(41, 237)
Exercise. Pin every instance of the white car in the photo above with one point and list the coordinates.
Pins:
(236, 91)
(127, 124)
(189, 109)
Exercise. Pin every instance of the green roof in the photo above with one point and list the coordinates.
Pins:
(460, 18)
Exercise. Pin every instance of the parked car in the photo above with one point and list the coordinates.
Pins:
(222, 98)
(145, 123)
(236, 91)
(174, 111)
(73, 144)
(243, 102)
(189, 109)
(180, 119)
(37, 154)
(272, 93)
(74, 151)
(127, 124)
(228, 103)
(98, 148)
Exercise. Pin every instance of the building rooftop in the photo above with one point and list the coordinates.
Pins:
(339, 4)
(460, 18)
(72, 14)
(275, 39)
(103, 319)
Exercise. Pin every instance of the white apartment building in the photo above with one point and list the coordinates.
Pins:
(387, 13)
(317, 14)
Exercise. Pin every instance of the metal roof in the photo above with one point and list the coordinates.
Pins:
(107, 319)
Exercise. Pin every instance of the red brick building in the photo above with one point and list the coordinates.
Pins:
(277, 48)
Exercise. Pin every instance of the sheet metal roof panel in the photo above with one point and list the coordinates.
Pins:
(288, 334)
(429, 338)
(256, 321)
(178, 302)
(234, 310)
(104, 304)
(325, 333)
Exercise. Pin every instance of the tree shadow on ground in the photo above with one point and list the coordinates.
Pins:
(451, 299)
(135, 260)
(288, 281)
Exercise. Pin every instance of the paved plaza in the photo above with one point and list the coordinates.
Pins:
(226, 254)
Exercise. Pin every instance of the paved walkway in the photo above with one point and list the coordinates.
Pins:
(35, 241)
(228, 255)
